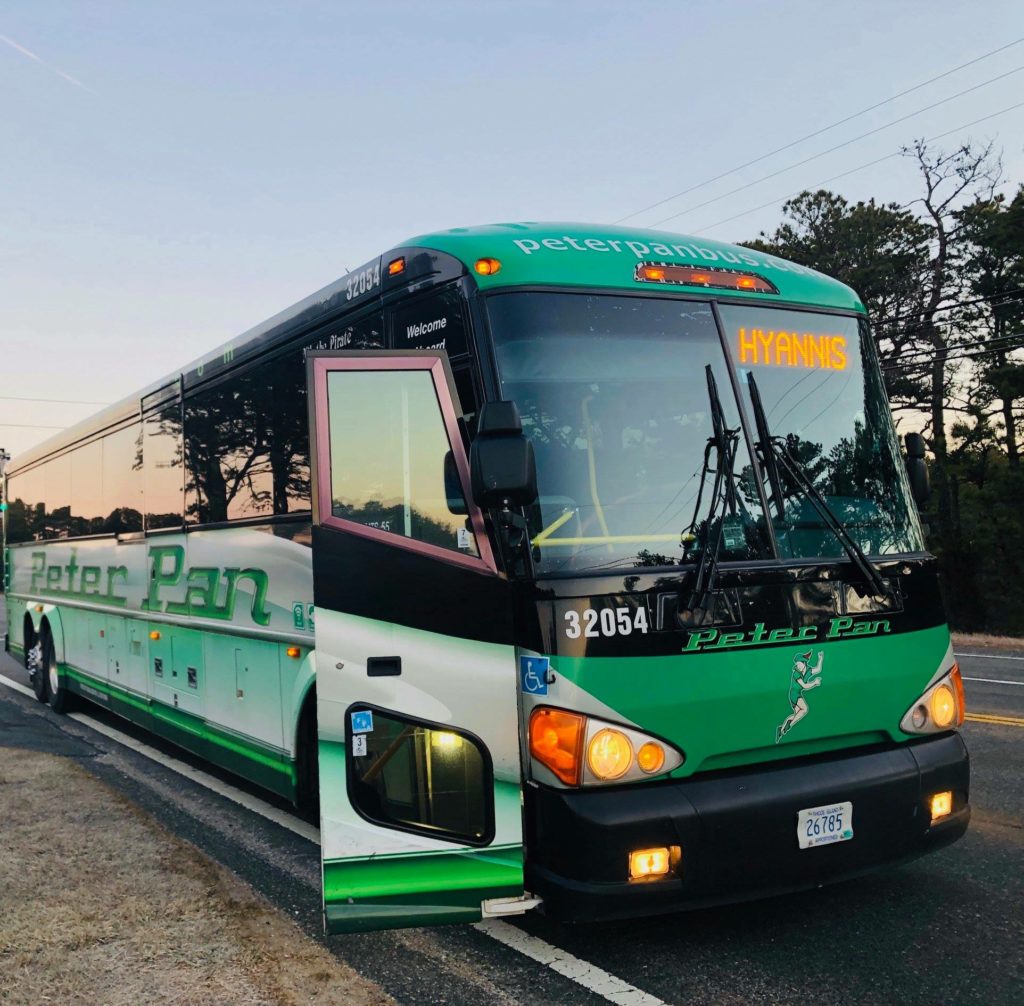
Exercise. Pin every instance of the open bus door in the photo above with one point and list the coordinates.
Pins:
(415, 667)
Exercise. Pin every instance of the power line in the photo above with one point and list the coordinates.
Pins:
(53, 401)
(838, 146)
(860, 167)
(1014, 294)
(818, 132)
(32, 426)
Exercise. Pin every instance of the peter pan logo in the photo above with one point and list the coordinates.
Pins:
(687, 252)
(202, 591)
(838, 628)
(209, 591)
(802, 678)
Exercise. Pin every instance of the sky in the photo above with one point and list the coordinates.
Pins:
(172, 174)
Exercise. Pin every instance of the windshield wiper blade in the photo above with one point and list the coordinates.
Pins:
(764, 448)
(723, 494)
(779, 453)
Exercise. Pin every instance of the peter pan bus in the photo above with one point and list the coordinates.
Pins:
(575, 567)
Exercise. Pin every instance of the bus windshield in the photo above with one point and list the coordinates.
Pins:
(613, 392)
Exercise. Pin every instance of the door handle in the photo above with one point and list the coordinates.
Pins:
(383, 667)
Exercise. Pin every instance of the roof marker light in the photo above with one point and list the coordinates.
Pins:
(487, 266)
(713, 277)
(396, 267)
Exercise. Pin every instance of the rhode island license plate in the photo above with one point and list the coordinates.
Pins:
(824, 825)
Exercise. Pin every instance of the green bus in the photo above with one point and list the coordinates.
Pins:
(551, 566)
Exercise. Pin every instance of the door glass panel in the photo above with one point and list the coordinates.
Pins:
(387, 447)
(409, 775)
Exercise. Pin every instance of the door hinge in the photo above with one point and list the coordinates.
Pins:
(495, 907)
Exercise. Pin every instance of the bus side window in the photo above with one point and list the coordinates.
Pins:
(25, 507)
(57, 478)
(162, 467)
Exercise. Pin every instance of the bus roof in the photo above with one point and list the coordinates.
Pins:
(531, 254)
(598, 255)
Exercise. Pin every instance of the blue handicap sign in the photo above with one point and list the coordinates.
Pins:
(362, 722)
(533, 673)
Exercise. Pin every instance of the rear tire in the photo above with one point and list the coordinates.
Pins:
(34, 657)
(60, 698)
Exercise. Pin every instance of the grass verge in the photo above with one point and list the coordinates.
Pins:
(99, 904)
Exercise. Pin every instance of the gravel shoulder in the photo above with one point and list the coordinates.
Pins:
(100, 904)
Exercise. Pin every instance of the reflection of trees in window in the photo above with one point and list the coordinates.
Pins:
(246, 444)
(226, 449)
(160, 460)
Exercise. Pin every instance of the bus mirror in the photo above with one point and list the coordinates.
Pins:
(917, 470)
(501, 462)
(453, 487)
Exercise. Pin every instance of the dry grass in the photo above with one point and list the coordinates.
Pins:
(100, 905)
(984, 639)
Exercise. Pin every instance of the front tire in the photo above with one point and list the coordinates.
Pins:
(60, 698)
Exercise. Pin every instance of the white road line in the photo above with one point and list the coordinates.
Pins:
(996, 681)
(989, 656)
(246, 800)
(591, 977)
(14, 686)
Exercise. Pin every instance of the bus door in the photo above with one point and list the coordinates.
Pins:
(415, 668)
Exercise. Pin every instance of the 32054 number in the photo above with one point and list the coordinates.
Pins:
(592, 623)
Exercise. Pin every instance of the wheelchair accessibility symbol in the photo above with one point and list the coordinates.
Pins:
(533, 673)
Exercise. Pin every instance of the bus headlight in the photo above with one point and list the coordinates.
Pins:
(609, 754)
(940, 708)
(583, 751)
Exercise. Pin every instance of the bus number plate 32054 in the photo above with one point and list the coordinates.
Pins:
(824, 825)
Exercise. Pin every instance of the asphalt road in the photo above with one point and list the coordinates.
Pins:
(947, 928)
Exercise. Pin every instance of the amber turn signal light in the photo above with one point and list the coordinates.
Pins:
(941, 805)
(154, 635)
(556, 741)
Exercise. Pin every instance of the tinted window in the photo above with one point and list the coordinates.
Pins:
(359, 333)
(87, 489)
(162, 466)
(436, 321)
(430, 779)
(57, 483)
(25, 514)
(227, 450)
(388, 474)
(122, 480)
(247, 444)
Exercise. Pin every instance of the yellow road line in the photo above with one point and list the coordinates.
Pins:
(1005, 721)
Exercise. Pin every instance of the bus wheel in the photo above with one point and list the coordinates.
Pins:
(34, 665)
(60, 697)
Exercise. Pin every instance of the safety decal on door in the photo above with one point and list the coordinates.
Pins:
(533, 673)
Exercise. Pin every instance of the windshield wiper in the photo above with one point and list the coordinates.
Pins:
(723, 495)
(775, 453)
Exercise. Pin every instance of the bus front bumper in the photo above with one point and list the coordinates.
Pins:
(737, 830)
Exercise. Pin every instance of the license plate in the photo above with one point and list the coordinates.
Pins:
(824, 825)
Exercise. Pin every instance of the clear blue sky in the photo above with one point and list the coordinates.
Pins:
(173, 173)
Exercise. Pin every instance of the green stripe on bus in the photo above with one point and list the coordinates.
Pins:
(187, 723)
(418, 889)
